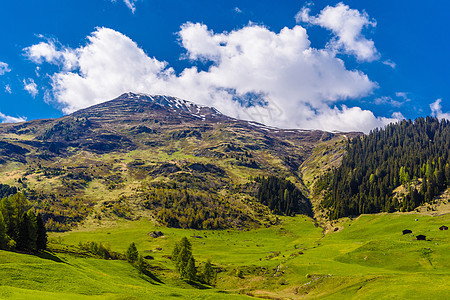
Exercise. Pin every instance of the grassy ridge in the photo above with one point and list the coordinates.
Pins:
(367, 258)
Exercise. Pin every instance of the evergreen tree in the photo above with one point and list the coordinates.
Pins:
(10, 218)
(175, 252)
(32, 230)
(132, 253)
(41, 240)
(184, 261)
(141, 265)
(3, 236)
(190, 273)
(23, 238)
(208, 273)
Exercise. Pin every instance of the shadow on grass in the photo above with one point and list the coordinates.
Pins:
(198, 285)
(41, 254)
(149, 275)
(49, 256)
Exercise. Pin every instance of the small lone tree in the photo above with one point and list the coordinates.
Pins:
(132, 253)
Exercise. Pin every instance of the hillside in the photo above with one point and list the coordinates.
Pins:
(397, 168)
(141, 155)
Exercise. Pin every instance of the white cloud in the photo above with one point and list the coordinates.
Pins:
(8, 89)
(390, 63)
(8, 119)
(4, 68)
(347, 25)
(237, 10)
(401, 98)
(30, 86)
(131, 4)
(289, 83)
(47, 52)
(349, 119)
(398, 116)
(436, 110)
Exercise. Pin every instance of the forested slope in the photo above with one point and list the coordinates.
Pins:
(414, 154)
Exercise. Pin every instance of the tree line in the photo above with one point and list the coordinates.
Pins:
(282, 196)
(20, 227)
(184, 208)
(415, 154)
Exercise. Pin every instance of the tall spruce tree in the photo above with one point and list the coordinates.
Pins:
(23, 238)
(41, 241)
(32, 230)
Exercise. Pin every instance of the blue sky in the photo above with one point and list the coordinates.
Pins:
(332, 65)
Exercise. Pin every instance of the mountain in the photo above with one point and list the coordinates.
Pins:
(146, 173)
(181, 164)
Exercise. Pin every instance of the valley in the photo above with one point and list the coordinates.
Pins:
(279, 214)
(367, 258)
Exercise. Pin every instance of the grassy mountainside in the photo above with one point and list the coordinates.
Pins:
(134, 155)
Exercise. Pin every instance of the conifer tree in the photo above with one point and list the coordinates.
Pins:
(3, 237)
(132, 253)
(41, 240)
(141, 266)
(23, 238)
(208, 273)
(183, 259)
(32, 230)
(190, 273)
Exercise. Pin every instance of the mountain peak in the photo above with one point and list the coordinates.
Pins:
(171, 103)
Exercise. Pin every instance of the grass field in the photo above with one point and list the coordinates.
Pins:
(366, 258)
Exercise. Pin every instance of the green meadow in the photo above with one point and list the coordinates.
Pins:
(365, 258)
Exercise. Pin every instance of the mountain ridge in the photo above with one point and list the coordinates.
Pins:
(112, 156)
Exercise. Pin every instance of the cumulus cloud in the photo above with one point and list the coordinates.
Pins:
(436, 110)
(4, 68)
(8, 89)
(255, 73)
(347, 25)
(48, 52)
(237, 10)
(30, 86)
(8, 119)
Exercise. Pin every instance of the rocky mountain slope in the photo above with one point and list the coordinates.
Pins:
(165, 158)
